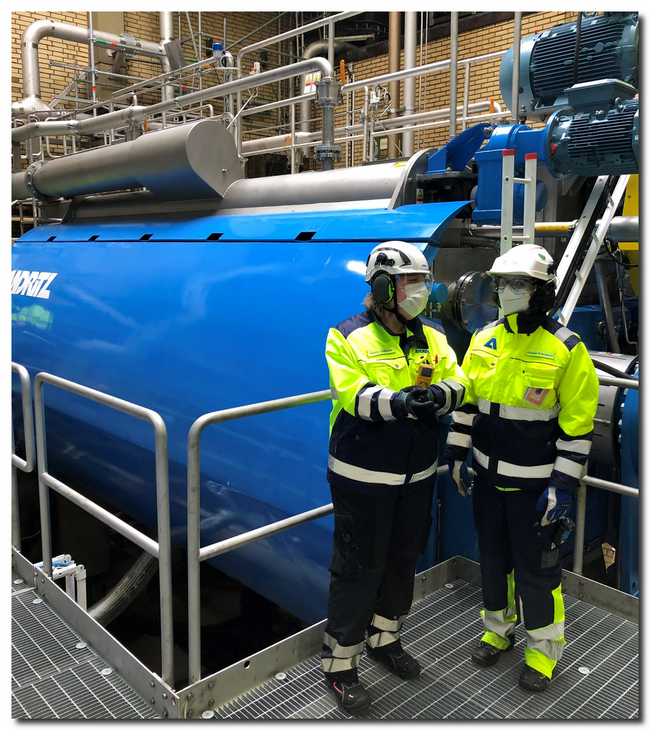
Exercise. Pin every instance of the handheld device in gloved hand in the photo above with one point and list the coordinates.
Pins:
(565, 526)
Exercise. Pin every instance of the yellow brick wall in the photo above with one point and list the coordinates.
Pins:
(433, 91)
(142, 25)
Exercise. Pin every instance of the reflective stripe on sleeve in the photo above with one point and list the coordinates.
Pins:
(577, 446)
(566, 466)
(364, 401)
(459, 439)
(462, 419)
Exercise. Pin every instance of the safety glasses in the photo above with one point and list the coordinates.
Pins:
(416, 278)
(516, 283)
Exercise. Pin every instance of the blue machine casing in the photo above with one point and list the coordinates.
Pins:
(192, 316)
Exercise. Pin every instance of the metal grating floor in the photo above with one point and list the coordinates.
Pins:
(54, 675)
(598, 676)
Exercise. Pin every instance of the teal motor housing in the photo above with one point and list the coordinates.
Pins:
(608, 49)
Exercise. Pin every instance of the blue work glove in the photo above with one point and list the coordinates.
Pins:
(555, 503)
(462, 475)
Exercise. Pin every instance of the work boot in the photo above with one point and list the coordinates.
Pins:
(396, 659)
(352, 696)
(532, 680)
(486, 655)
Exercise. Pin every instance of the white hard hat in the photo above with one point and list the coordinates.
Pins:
(525, 260)
(396, 257)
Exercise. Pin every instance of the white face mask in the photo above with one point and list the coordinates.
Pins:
(416, 299)
(513, 301)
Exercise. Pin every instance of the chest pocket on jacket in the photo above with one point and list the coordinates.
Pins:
(388, 373)
(539, 381)
(482, 369)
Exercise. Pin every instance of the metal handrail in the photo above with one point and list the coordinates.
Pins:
(26, 464)
(162, 548)
(195, 554)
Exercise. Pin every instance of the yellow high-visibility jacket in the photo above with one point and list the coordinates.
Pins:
(374, 445)
(530, 404)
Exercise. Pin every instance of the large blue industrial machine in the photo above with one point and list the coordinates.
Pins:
(188, 307)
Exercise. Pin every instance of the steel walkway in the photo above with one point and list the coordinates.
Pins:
(56, 675)
(598, 677)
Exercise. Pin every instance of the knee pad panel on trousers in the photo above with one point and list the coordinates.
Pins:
(345, 561)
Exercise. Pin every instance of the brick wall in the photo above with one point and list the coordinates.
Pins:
(431, 92)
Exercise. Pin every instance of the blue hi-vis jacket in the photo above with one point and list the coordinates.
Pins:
(530, 404)
(374, 446)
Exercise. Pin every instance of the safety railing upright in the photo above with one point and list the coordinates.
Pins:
(587, 481)
(26, 464)
(195, 553)
(160, 549)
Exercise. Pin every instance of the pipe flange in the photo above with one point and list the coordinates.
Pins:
(328, 93)
(327, 152)
(29, 182)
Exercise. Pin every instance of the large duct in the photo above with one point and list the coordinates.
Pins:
(197, 160)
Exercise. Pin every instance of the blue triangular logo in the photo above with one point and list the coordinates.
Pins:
(491, 343)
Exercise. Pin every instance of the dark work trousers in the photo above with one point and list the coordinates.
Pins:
(507, 540)
(377, 541)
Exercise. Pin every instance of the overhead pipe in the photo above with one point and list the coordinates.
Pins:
(410, 48)
(33, 103)
(277, 39)
(118, 167)
(453, 83)
(312, 51)
(516, 48)
(92, 125)
(166, 35)
(394, 45)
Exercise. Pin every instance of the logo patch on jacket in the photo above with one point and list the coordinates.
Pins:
(377, 353)
(540, 353)
(536, 395)
(491, 343)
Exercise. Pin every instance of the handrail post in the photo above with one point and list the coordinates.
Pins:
(163, 547)
(26, 464)
(43, 490)
(193, 548)
(194, 507)
(579, 539)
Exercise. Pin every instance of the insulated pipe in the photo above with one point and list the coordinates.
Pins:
(410, 47)
(32, 103)
(182, 162)
(102, 123)
(166, 35)
(516, 48)
(453, 87)
(118, 167)
(372, 182)
(394, 33)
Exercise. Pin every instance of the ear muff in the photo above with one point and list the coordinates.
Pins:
(383, 288)
(543, 297)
